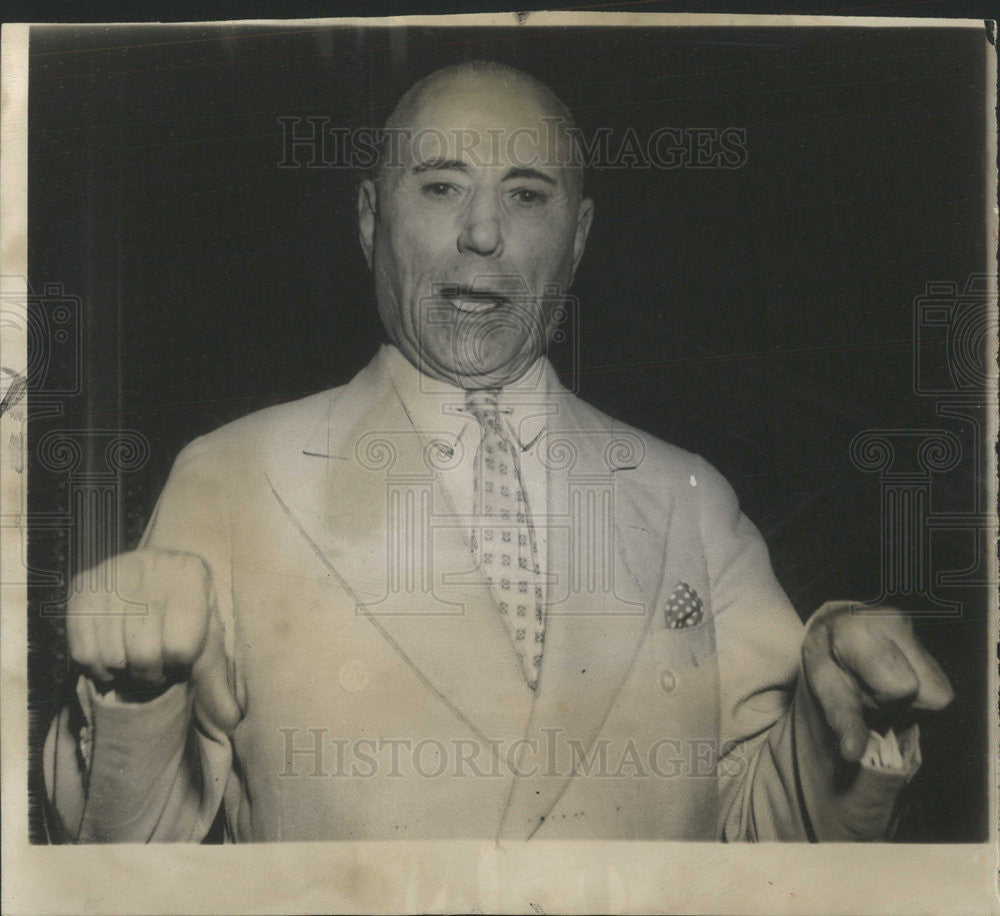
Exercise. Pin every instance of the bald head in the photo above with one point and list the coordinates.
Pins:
(483, 84)
(475, 223)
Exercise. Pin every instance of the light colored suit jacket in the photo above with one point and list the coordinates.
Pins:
(380, 692)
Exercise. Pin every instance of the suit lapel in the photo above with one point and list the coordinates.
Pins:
(359, 490)
(366, 496)
(593, 633)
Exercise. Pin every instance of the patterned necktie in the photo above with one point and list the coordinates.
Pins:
(504, 541)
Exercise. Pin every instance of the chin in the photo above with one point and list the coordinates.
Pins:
(500, 365)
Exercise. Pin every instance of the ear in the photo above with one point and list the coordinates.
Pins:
(584, 217)
(367, 206)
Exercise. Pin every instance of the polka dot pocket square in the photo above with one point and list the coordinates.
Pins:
(684, 608)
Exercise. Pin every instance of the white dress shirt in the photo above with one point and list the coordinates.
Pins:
(439, 413)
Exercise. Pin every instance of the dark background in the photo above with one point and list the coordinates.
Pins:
(761, 316)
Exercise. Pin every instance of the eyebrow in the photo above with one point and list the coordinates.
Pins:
(436, 165)
(529, 173)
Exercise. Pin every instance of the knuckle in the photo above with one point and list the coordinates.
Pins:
(183, 618)
(181, 649)
(196, 574)
(831, 611)
(894, 663)
(144, 653)
(112, 657)
(815, 645)
(811, 643)
(846, 636)
(82, 654)
(848, 618)
(82, 603)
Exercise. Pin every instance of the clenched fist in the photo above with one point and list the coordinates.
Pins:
(869, 657)
(152, 622)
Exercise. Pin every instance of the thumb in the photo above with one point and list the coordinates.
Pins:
(213, 695)
(843, 706)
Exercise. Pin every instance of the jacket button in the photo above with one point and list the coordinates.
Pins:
(667, 681)
(353, 675)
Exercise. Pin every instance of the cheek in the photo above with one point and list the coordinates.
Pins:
(546, 253)
(420, 239)
(414, 265)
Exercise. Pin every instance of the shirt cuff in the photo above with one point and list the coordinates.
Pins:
(129, 723)
(850, 802)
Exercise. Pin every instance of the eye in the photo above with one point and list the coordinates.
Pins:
(439, 190)
(529, 197)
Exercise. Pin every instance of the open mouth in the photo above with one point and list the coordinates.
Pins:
(473, 301)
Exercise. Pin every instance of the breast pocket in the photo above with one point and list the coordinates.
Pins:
(687, 647)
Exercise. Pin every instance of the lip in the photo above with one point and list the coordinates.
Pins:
(474, 301)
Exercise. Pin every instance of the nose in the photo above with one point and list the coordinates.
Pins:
(481, 233)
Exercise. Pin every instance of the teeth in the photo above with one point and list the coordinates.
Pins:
(478, 304)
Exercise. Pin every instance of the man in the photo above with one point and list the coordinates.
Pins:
(449, 599)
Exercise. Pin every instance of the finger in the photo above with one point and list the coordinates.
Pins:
(114, 582)
(935, 690)
(80, 634)
(98, 670)
(87, 606)
(110, 639)
(839, 698)
(185, 617)
(862, 647)
(144, 644)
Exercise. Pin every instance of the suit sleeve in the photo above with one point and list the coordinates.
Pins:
(122, 771)
(779, 778)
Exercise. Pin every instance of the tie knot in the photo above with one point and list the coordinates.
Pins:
(482, 404)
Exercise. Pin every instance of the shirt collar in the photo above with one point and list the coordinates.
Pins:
(436, 406)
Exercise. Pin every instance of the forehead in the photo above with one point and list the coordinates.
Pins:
(491, 120)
